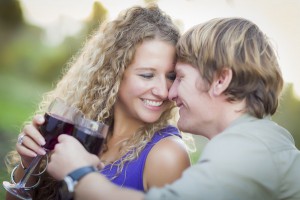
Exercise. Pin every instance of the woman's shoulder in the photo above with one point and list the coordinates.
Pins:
(168, 138)
(169, 146)
(168, 158)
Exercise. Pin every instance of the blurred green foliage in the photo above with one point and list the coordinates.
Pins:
(288, 113)
(29, 67)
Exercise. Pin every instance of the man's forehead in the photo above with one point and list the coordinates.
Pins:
(180, 67)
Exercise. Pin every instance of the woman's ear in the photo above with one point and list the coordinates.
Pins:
(222, 81)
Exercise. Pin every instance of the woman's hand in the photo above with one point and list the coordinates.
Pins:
(30, 141)
(69, 155)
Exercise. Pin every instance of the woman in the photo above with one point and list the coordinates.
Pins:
(122, 77)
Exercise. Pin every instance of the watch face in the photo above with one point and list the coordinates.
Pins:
(64, 193)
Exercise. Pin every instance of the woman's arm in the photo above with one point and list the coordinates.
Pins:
(165, 162)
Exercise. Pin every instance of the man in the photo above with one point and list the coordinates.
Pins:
(227, 86)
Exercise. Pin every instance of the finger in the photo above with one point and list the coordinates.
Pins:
(38, 120)
(24, 151)
(100, 165)
(57, 147)
(32, 132)
(20, 138)
(63, 137)
(30, 144)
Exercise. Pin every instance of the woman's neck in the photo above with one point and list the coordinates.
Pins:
(124, 124)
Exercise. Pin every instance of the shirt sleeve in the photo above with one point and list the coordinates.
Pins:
(232, 166)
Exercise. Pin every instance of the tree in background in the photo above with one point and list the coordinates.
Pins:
(150, 1)
(288, 113)
(11, 19)
(17, 39)
(26, 55)
(98, 15)
(58, 56)
(28, 66)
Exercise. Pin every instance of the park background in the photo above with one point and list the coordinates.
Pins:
(38, 38)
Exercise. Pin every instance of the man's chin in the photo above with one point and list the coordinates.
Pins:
(182, 125)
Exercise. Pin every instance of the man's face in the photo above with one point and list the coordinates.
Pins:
(194, 101)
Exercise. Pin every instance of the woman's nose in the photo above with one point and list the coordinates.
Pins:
(161, 89)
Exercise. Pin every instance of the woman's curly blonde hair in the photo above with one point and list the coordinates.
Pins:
(91, 80)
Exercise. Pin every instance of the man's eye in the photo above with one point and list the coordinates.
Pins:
(179, 78)
(171, 76)
(147, 76)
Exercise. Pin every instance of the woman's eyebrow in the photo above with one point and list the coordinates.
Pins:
(144, 69)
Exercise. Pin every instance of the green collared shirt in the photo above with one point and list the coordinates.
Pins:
(252, 159)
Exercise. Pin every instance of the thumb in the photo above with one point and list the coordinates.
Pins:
(100, 165)
(63, 137)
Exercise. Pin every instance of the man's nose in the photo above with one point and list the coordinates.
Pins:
(173, 91)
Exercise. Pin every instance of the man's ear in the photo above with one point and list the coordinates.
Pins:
(222, 81)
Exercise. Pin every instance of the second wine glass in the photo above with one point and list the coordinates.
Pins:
(91, 134)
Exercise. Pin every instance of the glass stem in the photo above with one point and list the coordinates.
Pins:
(29, 171)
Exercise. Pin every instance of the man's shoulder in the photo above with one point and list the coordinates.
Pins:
(250, 143)
(261, 132)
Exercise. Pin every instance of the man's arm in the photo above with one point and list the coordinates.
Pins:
(95, 186)
(70, 155)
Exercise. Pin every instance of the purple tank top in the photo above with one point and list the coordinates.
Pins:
(132, 174)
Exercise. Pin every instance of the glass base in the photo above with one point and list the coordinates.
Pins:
(18, 192)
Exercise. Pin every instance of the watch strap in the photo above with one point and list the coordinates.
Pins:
(77, 174)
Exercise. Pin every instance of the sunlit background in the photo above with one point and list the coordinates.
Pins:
(278, 18)
(38, 37)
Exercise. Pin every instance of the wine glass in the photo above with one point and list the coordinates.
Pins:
(59, 119)
(91, 134)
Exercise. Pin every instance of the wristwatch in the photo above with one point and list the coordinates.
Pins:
(66, 190)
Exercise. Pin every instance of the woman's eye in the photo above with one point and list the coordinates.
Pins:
(171, 76)
(147, 76)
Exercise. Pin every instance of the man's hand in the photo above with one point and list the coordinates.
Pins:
(69, 155)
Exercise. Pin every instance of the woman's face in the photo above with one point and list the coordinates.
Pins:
(143, 93)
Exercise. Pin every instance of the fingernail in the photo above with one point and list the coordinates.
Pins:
(33, 154)
(42, 142)
(40, 119)
(42, 151)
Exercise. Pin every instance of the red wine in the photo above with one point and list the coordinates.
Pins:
(54, 126)
(90, 142)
